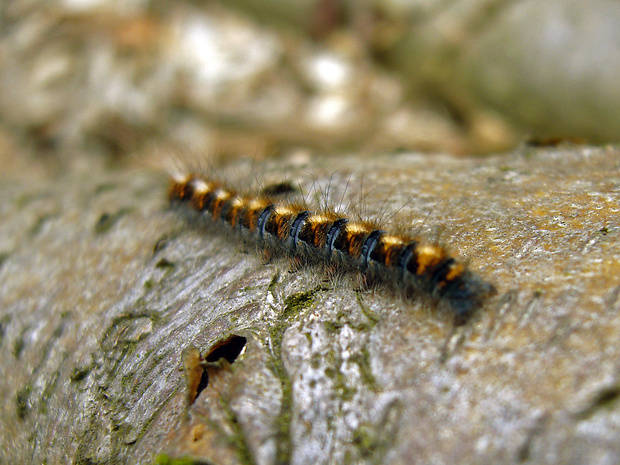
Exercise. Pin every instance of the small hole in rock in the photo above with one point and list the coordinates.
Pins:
(202, 385)
(280, 188)
(164, 263)
(228, 349)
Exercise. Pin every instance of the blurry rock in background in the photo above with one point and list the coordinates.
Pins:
(551, 67)
(262, 78)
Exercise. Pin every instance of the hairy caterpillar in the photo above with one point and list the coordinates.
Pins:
(332, 240)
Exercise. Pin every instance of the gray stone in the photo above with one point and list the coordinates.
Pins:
(106, 293)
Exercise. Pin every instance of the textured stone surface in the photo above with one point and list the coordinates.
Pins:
(104, 291)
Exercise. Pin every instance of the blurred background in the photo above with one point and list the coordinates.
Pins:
(108, 82)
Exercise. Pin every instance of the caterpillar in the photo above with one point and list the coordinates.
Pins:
(337, 242)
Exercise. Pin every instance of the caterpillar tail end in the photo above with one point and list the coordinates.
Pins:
(466, 295)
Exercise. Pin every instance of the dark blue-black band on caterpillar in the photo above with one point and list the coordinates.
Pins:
(369, 246)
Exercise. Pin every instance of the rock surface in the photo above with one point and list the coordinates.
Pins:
(109, 299)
